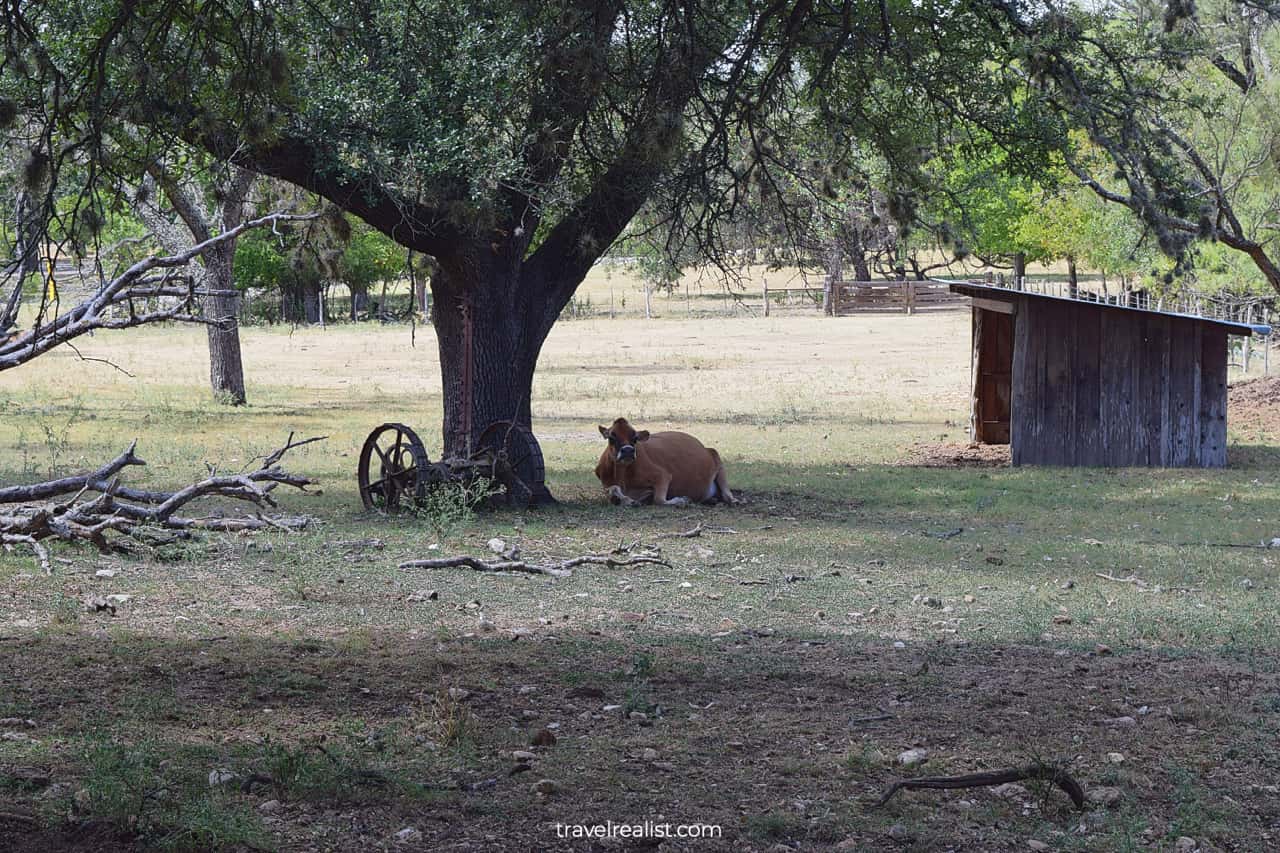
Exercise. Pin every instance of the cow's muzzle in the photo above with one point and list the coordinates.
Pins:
(626, 454)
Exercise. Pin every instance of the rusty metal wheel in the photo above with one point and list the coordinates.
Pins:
(393, 465)
(517, 461)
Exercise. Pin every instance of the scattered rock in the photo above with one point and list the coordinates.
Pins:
(485, 625)
(638, 717)
(543, 737)
(546, 787)
(497, 546)
(1121, 721)
(1245, 583)
(18, 722)
(269, 807)
(1034, 844)
(913, 757)
(901, 834)
(1010, 791)
(1115, 757)
(1102, 649)
(458, 693)
(1067, 585)
(523, 755)
(1104, 796)
(995, 561)
(686, 585)
(1185, 844)
(853, 842)
(407, 834)
(608, 708)
(424, 595)
(220, 776)
(56, 791)
(97, 604)
(1061, 619)
(106, 573)
(899, 645)
(650, 754)
(969, 599)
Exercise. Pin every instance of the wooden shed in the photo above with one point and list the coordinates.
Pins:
(1079, 381)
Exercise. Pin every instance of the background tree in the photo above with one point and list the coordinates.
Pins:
(200, 220)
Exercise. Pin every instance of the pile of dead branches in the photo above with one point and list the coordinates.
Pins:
(104, 512)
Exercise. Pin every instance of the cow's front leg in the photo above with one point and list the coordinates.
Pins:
(660, 494)
(618, 497)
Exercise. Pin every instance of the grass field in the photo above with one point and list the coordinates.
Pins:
(765, 682)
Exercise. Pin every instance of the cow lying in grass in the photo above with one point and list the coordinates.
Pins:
(665, 468)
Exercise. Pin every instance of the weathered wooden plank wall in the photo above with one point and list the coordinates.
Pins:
(1100, 387)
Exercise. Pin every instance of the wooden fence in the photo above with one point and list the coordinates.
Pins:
(893, 297)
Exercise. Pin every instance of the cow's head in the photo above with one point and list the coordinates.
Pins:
(622, 440)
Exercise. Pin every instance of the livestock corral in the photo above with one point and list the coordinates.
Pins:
(885, 602)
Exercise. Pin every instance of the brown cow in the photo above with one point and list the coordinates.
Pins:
(666, 468)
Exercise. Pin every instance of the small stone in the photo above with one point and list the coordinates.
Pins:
(1067, 585)
(486, 626)
(901, 834)
(105, 573)
(269, 807)
(497, 546)
(1010, 791)
(1104, 796)
(424, 595)
(686, 585)
(458, 693)
(220, 776)
(407, 834)
(853, 842)
(608, 708)
(1061, 619)
(1185, 844)
(899, 645)
(638, 717)
(969, 599)
(1115, 757)
(913, 757)
(526, 689)
(523, 755)
(543, 737)
(1121, 721)
(650, 754)
(1039, 846)
(1102, 649)
(1245, 583)
(546, 787)
(631, 617)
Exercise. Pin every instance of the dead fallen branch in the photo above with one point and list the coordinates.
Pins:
(1044, 772)
(1133, 579)
(562, 569)
(697, 531)
(100, 507)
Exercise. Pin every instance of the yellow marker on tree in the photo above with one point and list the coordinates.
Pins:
(51, 286)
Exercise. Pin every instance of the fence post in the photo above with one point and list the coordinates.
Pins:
(765, 282)
(911, 298)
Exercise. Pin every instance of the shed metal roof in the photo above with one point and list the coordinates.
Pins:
(1007, 293)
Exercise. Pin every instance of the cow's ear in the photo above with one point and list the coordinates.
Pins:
(605, 432)
(642, 435)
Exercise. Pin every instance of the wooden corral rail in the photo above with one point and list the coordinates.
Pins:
(895, 297)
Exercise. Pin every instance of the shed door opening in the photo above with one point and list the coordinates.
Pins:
(992, 375)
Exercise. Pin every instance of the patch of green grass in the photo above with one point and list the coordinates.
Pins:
(144, 791)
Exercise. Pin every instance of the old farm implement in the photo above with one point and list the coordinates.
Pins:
(395, 473)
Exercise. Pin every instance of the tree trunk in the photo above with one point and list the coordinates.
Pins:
(490, 326)
(226, 370)
(1019, 270)
(359, 303)
(312, 307)
(26, 248)
(1073, 281)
